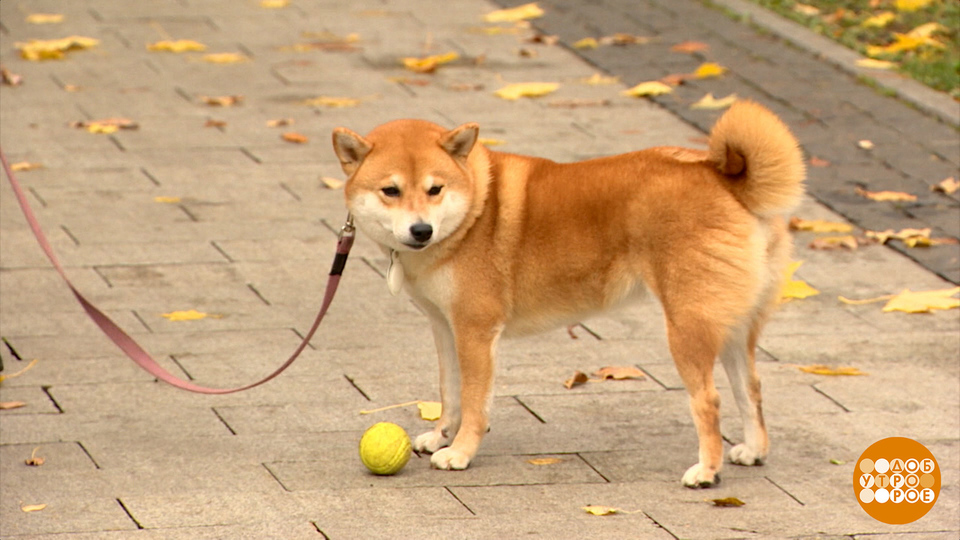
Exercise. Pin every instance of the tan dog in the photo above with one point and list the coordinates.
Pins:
(492, 244)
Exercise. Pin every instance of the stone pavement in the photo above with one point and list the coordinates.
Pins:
(251, 239)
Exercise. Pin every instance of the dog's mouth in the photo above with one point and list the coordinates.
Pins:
(416, 246)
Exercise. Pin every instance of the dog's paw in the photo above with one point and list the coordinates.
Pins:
(699, 477)
(742, 454)
(431, 441)
(450, 459)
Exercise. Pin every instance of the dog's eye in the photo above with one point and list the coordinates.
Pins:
(435, 190)
(390, 191)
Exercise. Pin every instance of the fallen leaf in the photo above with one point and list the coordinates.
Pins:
(794, 288)
(897, 196)
(429, 64)
(527, 53)
(178, 46)
(34, 460)
(215, 123)
(600, 510)
(33, 507)
(577, 103)
(586, 43)
(167, 200)
(872, 63)
(280, 122)
(576, 379)
(516, 91)
(491, 142)
(53, 49)
(926, 31)
(709, 102)
(911, 5)
(837, 462)
(221, 101)
(923, 241)
(822, 369)
(597, 79)
(903, 234)
(542, 39)
(465, 87)
(519, 13)
(332, 102)
(224, 58)
(649, 88)
(274, 4)
(730, 502)
(331, 183)
(690, 47)
(818, 225)
(10, 78)
(708, 70)
(294, 137)
(806, 9)
(430, 410)
(6, 405)
(817, 162)
(545, 461)
(25, 166)
(619, 373)
(835, 242)
(675, 79)
(947, 185)
(25, 369)
(865, 144)
(923, 301)
(902, 43)
(191, 315)
(879, 20)
(106, 125)
(624, 39)
(45, 18)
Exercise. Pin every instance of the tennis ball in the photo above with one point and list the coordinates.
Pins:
(385, 448)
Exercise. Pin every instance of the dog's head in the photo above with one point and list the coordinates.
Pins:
(409, 184)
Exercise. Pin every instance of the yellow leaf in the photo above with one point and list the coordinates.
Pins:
(871, 63)
(294, 137)
(224, 58)
(821, 369)
(793, 288)
(879, 20)
(709, 69)
(178, 46)
(532, 89)
(576, 379)
(865, 144)
(274, 4)
(167, 200)
(519, 13)
(331, 183)
(597, 79)
(221, 101)
(430, 410)
(586, 43)
(903, 42)
(491, 142)
(45, 18)
(649, 88)
(6, 405)
(911, 5)
(600, 510)
(25, 369)
(835, 242)
(886, 195)
(728, 502)
(33, 507)
(805, 9)
(947, 185)
(903, 234)
(924, 31)
(332, 102)
(191, 315)
(545, 461)
(708, 102)
(99, 127)
(819, 225)
(53, 49)
(429, 64)
(923, 301)
(25, 166)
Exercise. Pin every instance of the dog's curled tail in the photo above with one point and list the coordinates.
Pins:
(761, 158)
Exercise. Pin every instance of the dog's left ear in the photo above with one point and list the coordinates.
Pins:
(350, 148)
(458, 142)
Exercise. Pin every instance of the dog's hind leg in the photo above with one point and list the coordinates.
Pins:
(739, 361)
(449, 423)
(694, 344)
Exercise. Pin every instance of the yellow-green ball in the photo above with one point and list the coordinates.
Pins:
(385, 448)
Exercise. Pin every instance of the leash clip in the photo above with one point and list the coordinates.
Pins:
(348, 228)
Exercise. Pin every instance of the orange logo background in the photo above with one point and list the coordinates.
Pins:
(896, 480)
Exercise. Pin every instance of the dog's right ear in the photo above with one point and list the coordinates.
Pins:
(350, 148)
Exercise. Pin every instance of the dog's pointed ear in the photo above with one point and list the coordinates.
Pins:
(459, 142)
(350, 148)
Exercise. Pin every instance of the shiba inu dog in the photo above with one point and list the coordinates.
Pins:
(490, 244)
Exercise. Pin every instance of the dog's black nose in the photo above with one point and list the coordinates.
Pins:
(421, 232)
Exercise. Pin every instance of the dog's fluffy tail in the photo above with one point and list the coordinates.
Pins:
(761, 158)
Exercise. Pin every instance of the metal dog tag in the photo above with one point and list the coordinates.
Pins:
(395, 274)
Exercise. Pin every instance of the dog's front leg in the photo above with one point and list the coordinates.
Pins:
(475, 352)
(449, 422)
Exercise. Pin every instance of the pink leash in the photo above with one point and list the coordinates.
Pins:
(132, 349)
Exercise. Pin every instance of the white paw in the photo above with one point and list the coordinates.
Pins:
(430, 441)
(699, 477)
(742, 454)
(449, 459)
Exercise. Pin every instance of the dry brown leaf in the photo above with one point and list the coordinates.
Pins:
(221, 101)
(331, 183)
(835, 242)
(675, 79)
(215, 123)
(34, 460)
(619, 373)
(10, 78)
(818, 225)
(545, 461)
(7, 405)
(577, 103)
(690, 47)
(465, 87)
(294, 137)
(817, 162)
(728, 502)
(280, 122)
(167, 200)
(624, 39)
(822, 369)
(805, 9)
(922, 241)
(903, 234)
(25, 369)
(25, 166)
(897, 196)
(542, 39)
(947, 185)
(576, 379)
